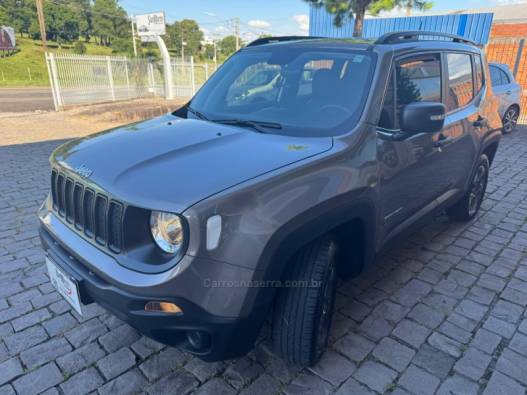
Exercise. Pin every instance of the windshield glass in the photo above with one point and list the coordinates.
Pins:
(305, 91)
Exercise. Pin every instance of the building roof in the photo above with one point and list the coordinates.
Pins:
(502, 14)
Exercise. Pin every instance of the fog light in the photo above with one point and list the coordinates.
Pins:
(199, 340)
(163, 307)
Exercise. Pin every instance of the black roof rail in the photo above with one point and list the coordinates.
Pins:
(278, 39)
(399, 37)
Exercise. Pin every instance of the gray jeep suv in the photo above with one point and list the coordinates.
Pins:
(293, 166)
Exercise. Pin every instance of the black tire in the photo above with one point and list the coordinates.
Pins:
(510, 119)
(302, 314)
(467, 208)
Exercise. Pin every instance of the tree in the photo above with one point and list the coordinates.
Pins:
(228, 45)
(412, 4)
(123, 46)
(208, 51)
(186, 31)
(343, 9)
(62, 23)
(109, 21)
(84, 16)
(18, 14)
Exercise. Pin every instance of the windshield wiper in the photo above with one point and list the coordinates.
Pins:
(197, 113)
(256, 125)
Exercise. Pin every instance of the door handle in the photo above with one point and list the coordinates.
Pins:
(443, 141)
(480, 122)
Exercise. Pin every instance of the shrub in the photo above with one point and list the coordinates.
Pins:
(79, 48)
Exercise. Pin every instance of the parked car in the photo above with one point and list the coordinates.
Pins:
(509, 92)
(195, 226)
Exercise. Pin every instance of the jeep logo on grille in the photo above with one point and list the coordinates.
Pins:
(83, 171)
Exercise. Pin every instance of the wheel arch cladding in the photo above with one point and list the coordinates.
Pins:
(336, 215)
(490, 151)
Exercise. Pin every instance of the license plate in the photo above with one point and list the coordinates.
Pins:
(64, 285)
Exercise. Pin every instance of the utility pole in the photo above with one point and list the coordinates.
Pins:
(237, 32)
(40, 12)
(133, 37)
(215, 50)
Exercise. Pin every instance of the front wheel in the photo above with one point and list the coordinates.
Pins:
(304, 306)
(468, 206)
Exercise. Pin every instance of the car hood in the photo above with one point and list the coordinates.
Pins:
(169, 163)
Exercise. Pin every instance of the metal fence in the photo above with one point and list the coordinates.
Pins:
(512, 52)
(82, 79)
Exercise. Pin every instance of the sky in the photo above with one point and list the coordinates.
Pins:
(277, 17)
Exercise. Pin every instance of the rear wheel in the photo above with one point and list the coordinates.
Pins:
(469, 205)
(304, 307)
(510, 119)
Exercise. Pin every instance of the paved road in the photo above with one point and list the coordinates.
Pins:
(25, 99)
(443, 313)
(33, 99)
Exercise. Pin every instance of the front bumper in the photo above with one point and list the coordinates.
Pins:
(229, 335)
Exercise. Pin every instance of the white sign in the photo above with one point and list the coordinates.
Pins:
(150, 25)
(7, 37)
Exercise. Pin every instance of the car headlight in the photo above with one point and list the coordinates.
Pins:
(167, 231)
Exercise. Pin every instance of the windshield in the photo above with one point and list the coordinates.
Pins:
(298, 91)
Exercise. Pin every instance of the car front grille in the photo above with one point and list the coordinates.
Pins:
(91, 213)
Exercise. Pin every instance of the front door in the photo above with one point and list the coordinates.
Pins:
(411, 177)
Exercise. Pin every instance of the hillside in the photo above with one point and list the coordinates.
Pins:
(14, 69)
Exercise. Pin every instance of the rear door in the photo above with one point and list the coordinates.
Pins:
(465, 122)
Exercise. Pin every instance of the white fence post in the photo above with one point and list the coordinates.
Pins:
(192, 75)
(167, 69)
(54, 80)
(206, 71)
(127, 77)
(110, 76)
(151, 79)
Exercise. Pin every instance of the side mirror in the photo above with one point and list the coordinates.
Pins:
(423, 117)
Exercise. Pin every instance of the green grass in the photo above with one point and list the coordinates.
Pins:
(15, 70)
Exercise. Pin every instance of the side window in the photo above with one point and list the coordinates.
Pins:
(478, 69)
(495, 75)
(460, 85)
(416, 79)
(505, 78)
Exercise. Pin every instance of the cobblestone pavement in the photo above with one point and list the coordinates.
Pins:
(445, 312)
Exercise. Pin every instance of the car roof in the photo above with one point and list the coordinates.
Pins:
(500, 65)
(314, 42)
(398, 41)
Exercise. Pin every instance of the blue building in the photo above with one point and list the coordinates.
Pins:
(475, 27)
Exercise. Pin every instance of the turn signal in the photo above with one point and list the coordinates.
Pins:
(163, 307)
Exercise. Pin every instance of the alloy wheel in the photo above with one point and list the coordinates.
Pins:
(510, 120)
(477, 190)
